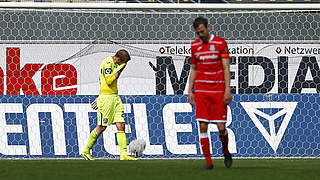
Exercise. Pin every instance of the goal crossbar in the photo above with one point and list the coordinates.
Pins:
(161, 6)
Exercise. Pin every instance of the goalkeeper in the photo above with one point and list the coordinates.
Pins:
(109, 105)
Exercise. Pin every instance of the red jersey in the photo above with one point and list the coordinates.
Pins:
(208, 58)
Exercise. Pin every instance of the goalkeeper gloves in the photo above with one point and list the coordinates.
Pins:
(94, 105)
(120, 68)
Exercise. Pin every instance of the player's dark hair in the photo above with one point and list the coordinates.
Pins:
(200, 20)
(123, 55)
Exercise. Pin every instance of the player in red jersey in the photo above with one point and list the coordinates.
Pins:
(209, 86)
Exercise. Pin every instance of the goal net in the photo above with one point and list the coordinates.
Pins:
(49, 76)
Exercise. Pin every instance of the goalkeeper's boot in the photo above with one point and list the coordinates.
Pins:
(86, 155)
(127, 157)
(228, 160)
(207, 167)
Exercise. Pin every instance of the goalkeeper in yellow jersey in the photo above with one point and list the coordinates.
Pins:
(109, 105)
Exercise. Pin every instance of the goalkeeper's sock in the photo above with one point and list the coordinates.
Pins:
(122, 141)
(224, 140)
(92, 140)
(204, 140)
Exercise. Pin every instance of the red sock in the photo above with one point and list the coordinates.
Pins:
(206, 149)
(224, 141)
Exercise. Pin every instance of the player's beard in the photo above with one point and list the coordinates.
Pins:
(205, 39)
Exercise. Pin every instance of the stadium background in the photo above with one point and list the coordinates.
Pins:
(33, 126)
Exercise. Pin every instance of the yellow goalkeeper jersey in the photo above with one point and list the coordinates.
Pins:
(108, 82)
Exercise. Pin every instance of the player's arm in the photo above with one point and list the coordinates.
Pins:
(110, 75)
(119, 70)
(192, 78)
(226, 69)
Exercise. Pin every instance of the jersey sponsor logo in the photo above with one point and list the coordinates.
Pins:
(283, 111)
(208, 57)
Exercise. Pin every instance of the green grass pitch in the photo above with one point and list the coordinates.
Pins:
(246, 169)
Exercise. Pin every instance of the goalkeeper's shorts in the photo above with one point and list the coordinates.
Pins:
(110, 109)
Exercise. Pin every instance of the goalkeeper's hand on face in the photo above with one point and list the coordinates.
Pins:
(122, 66)
(119, 70)
(94, 105)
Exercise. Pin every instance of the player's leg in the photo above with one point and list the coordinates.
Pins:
(92, 140)
(205, 144)
(202, 115)
(122, 141)
(104, 102)
(121, 135)
(223, 134)
(219, 116)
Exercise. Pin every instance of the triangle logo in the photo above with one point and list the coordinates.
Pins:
(273, 138)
